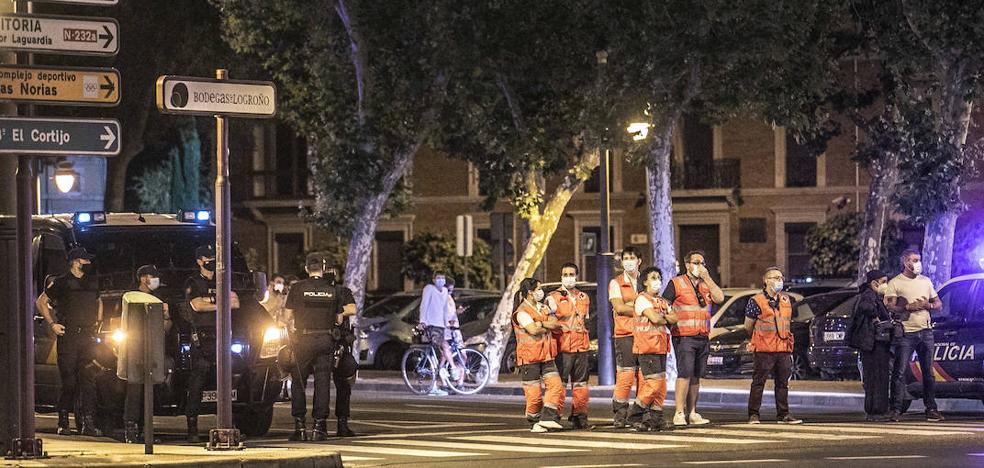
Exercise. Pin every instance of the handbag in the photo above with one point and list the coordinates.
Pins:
(884, 330)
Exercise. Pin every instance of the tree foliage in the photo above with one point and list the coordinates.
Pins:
(834, 245)
(429, 252)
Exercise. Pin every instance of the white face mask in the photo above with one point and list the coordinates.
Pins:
(630, 265)
(655, 285)
(154, 283)
(917, 267)
(882, 289)
(538, 295)
(777, 286)
(695, 271)
(439, 282)
(279, 287)
(568, 282)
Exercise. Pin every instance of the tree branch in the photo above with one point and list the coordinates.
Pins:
(937, 52)
(359, 56)
(514, 110)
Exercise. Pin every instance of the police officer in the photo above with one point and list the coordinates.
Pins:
(316, 308)
(200, 308)
(74, 296)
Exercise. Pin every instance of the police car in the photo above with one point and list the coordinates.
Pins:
(122, 243)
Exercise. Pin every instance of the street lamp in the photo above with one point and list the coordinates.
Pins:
(65, 177)
(638, 130)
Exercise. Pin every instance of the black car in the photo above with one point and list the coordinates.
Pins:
(810, 286)
(829, 353)
(122, 243)
(730, 355)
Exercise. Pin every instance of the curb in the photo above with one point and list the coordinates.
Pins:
(216, 460)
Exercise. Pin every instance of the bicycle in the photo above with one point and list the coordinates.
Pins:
(420, 368)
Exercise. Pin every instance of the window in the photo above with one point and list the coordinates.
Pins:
(289, 251)
(801, 164)
(593, 184)
(698, 141)
(819, 305)
(797, 253)
(734, 314)
(387, 261)
(958, 302)
(751, 230)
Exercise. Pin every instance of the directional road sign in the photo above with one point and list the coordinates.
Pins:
(59, 34)
(52, 136)
(62, 85)
(206, 96)
(83, 2)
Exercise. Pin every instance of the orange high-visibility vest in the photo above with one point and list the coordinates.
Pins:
(530, 348)
(692, 319)
(572, 309)
(623, 324)
(772, 332)
(650, 338)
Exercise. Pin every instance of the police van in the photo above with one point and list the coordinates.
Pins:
(122, 243)
(958, 330)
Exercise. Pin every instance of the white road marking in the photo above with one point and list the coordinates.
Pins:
(469, 446)
(592, 466)
(518, 416)
(442, 433)
(660, 437)
(348, 458)
(398, 451)
(778, 435)
(816, 427)
(414, 425)
(936, 426)
(579, 443)
(735, 462)
(877, 457)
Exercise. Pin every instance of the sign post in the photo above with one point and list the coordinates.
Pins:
(221, 98)
(464, 243)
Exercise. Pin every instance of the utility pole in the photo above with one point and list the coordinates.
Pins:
(606, 358)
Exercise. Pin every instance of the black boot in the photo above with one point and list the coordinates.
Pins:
(193, 430)
(63, 427)
(299, 434)
(320, 432)
(621, 411)
(131, 432)
(343, 429)
(579, 421)
(89, 427)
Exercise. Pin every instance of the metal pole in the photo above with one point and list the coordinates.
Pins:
(148, 384)
(223, 260)
(606, 365)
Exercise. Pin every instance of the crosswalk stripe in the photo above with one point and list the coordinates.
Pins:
(834, 428)
(932, 426)
(781, 435)
(399, 451)
(352, 458)
(904, 430)
(579, 443)
(735, 462)
(876, 457)
(468, 446)
(659, 437)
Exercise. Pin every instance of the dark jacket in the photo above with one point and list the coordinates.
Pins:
(861, 332)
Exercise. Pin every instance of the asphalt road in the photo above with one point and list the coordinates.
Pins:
(402, 430)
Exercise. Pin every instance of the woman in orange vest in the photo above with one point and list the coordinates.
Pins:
(571, 307)
(768, 317)
(622, 291)
(536, 349)
(651, 343)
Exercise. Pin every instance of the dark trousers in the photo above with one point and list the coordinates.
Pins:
(875, 370)
(922, 343)
(344, 377)
(779, 366)
(75, 353)
(201, 364)
(312, 353)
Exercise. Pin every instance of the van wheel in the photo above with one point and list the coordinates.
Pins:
(255, 420)
(508, 363)
(799, 369)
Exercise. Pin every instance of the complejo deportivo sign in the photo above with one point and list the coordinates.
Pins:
(204, 96)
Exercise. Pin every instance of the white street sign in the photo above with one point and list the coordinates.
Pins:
(59, 34)
(464, 241)
(209, 97)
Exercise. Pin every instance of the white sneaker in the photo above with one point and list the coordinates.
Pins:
(550, 425)
(443, 373)
(437, 392)
(697, 420)
(679, 419)
(538, 428)
(456, 374)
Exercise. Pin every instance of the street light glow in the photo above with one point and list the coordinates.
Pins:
(638, 130)
(65, 177)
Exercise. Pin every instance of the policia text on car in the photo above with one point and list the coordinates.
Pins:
(316, 309)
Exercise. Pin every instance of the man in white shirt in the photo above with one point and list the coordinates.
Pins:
(433, 316)
(910, 297)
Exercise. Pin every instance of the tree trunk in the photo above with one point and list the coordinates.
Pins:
(542, 229)
(876, 212)
(937, 252)
(661, 239)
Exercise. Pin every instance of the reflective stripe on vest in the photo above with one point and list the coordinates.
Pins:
(623, 324)
(650, 338)
(573, 335)
(692, 319)
(772, 333)
(530, 348)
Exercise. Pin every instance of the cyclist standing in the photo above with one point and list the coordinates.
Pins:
(433, 315)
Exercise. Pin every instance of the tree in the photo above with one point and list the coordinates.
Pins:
(363, 82)
(834, 245)
(177, 182)
(429, 252)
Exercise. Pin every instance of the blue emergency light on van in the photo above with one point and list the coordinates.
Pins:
(89, 217)
(194, 216)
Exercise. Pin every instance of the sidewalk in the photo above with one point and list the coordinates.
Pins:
(92, 453)
(832, 395)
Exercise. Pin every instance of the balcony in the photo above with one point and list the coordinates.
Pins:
(701, 175)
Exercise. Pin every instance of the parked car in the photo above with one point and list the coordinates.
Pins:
(810, 286)
(731, 312)
(829, 353)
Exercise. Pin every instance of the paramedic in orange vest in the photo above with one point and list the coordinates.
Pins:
(571, 307)
(536, 349)
(622, 291)
(691, 296)
(768, 317)
(651, 343)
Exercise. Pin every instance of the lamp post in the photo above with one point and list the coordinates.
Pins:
(606, 358)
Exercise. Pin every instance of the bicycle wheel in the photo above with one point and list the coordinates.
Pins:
(419, 372)
(476, 372)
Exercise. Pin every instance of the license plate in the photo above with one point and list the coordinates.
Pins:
(715, 360)
(833, 336)
(211, 396)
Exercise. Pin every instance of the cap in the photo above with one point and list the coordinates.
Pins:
(204, 251)
(79, 252)
(318, 259)
(873, 275)
(148, 270)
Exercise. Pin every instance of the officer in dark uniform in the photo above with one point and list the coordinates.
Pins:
(74, 297)
(316, 308)
(200, 313)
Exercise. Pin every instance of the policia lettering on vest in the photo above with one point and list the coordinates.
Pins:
(622, 291)
(315, 311)
(571, 307)
(536, 350)
(768, 317)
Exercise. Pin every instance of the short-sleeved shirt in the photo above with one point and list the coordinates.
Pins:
(615, 292)
(912, 289)
(75, 300)
(316, 302)
(642, 303)
(198, 286)
(752, 309)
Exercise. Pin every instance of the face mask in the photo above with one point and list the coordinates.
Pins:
(777, 286)
(86, 268)
(917, 267)
(538, 295)
(655, 285)
(279, 287)
(882, 289)
(695, 271)
(630, 265)
(439, 283)
(209, 265)
(154, 283)
(568, 282)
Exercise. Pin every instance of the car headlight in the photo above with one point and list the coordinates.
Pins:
(118, 336)
(274, 338)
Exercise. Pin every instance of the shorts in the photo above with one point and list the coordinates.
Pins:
(624, 359)
(536, 371)
(435, 335)
(691, 356)
(652, 366)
